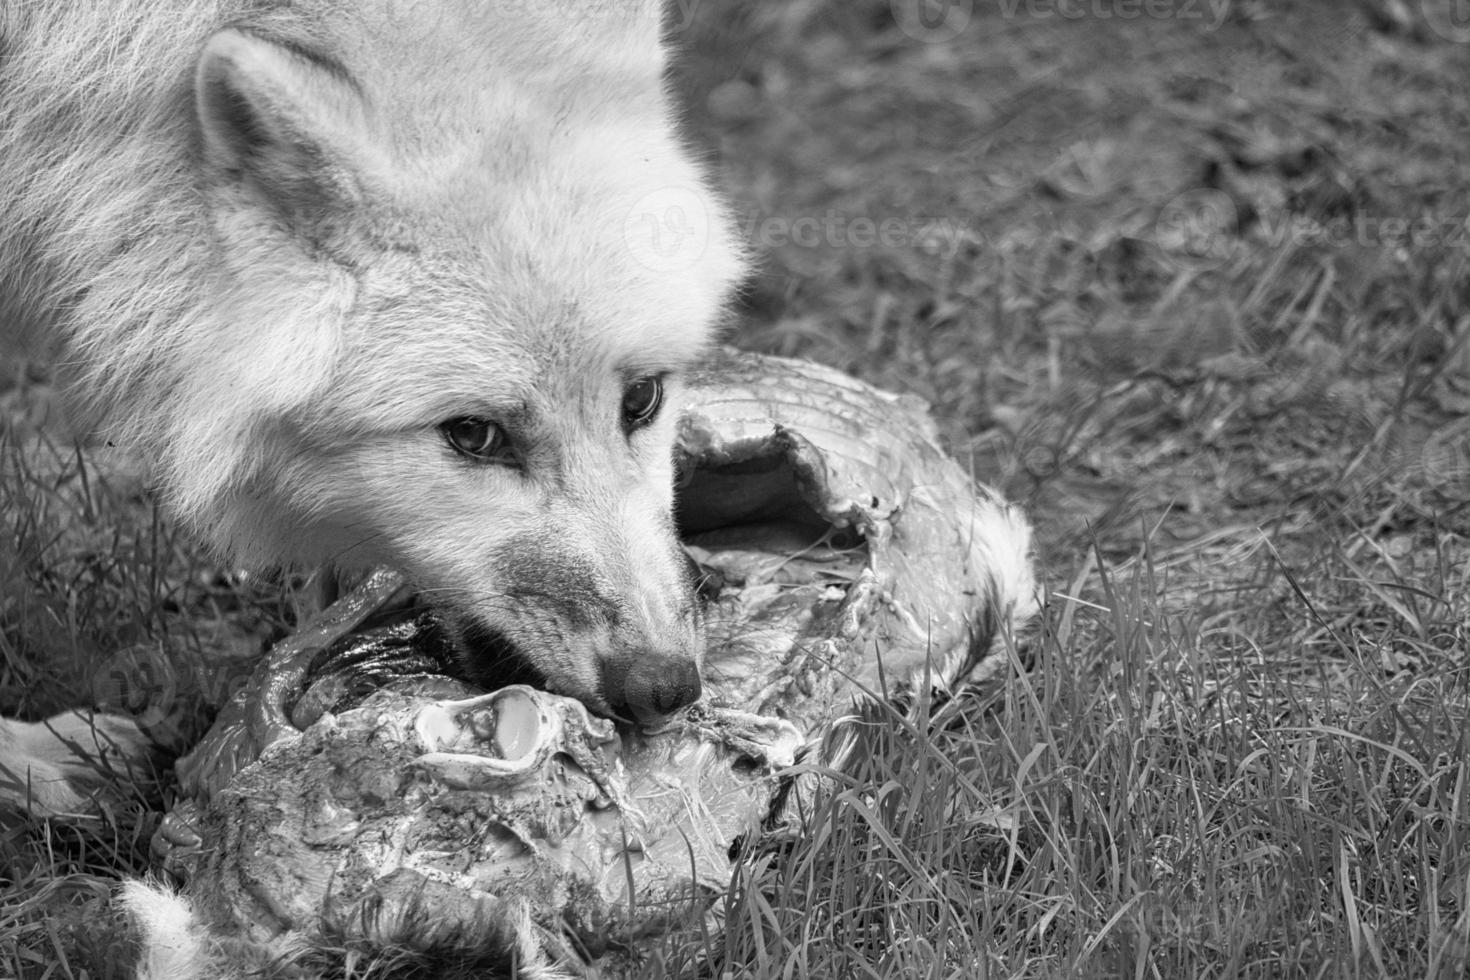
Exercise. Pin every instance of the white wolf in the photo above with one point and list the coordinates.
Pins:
(381, 282)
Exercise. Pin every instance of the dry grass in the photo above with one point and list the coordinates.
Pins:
(1160, 279)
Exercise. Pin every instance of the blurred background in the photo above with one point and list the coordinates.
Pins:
(1186, 259)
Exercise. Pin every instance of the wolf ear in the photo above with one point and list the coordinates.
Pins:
(291, 124)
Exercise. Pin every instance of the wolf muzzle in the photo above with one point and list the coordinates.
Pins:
(650, 688)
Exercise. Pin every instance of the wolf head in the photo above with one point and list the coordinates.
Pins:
(462, 264)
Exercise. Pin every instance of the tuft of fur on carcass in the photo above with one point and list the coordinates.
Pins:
(176, 942)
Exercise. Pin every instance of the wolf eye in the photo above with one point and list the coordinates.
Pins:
(641, 402)
(477, 438)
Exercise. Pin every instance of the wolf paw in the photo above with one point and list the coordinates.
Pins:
(71, 766)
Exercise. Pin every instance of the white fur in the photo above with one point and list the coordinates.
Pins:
(176, 943)
(272, 247)
(1000, 550)
(482, 160)
(172, 944)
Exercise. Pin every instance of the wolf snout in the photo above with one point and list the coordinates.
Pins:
(649, 689)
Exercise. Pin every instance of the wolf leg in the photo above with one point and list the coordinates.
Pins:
(71, 764)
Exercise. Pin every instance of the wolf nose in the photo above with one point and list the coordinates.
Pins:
(655, 689)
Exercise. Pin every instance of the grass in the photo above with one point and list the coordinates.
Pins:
(1159, 278)
(1159, 806)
